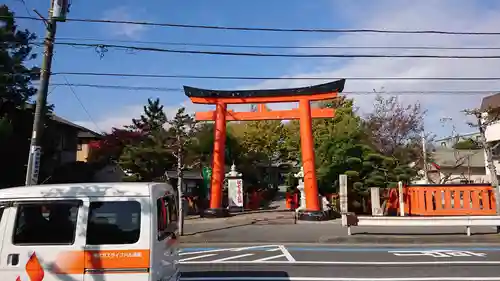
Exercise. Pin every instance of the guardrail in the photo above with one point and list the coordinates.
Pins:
(466, 221)
(428, 205)
(449, 200)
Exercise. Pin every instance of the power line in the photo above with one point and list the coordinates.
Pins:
(275, 78)
(111, 74)
(166, 89)
(185, 44)
(81, 103)
(103, 48)
(319, 30)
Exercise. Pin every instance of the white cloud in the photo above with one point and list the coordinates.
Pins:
(132, 31)
(418, 15)
(459, 15)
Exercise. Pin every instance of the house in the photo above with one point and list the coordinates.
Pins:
(191, 180)
(456, 166)
(449, 142)
(73, 140)
(491, 105)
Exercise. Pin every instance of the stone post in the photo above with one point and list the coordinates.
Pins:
(401, 199)
(343, 198)
(235, 190)
(375, 199)
(300, 187)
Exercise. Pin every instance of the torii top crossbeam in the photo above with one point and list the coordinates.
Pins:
(311, 93)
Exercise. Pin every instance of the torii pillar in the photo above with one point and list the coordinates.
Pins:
(221, 115)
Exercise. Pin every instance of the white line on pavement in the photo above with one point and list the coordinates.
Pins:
(254, 247)
(287, 254)
(284, 278)
(197, 257)
(227, 250)
(272, 258)
(273, 250)
(231, 258)
(224, 261)
(204, 252)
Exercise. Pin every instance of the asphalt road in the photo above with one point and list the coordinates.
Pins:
(328, 263)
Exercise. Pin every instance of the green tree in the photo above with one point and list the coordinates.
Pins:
(264, 144)
(182, 131)
(467, 144)
(149, 156)
(16, 108)
(153, 119)
(342, 146)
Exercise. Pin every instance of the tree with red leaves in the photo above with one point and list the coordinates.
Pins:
(111, 146)
(395, 129)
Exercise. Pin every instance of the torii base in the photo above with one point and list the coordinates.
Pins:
(305, 215)
(215, 213)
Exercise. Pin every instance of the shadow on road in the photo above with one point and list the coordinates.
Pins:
(218, 229)
(253, 222)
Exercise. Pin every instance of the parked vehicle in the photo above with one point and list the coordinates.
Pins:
(118, 231)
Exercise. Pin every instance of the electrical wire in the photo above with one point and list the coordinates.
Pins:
(104, 48)
(261, 77)
(185, 44)
(319, 30)
(167, 89)
(81, 103)
(275, 78)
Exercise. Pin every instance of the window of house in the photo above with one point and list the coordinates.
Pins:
(46, 223)
(116, 222)
(167, 216)
(443, 144)
(79, 146)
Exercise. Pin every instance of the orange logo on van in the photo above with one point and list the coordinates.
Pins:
(33, 269)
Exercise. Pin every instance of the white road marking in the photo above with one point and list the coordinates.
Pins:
(273, 250)
(203, 252)
(231, 258)
(197, 257)
(439, 253)
(254, 247)
(284, 278)
(287, 254)
(446, 262)
(271, 258)
(209, 253)
(228, 250)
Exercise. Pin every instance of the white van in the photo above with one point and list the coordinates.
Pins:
(89, 232)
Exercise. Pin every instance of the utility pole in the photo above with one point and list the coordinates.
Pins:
(424, 157)
(57, 12)
(489, 160)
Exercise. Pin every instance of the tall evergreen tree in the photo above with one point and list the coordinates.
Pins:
(16, 108)
(153, 119)
(149, 156)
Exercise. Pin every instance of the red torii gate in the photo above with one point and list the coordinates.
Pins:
(221, 115)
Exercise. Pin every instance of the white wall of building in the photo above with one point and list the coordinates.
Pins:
(492, 133)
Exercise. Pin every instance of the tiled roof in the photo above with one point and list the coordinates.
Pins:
(490, 102)
(82, 131)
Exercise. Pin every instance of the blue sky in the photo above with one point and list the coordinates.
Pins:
(114, 107)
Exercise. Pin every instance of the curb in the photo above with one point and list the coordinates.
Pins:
(362, 241)
(340, 245)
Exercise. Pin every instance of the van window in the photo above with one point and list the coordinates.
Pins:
(116, 222)
(167, 216)
(46, 223)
